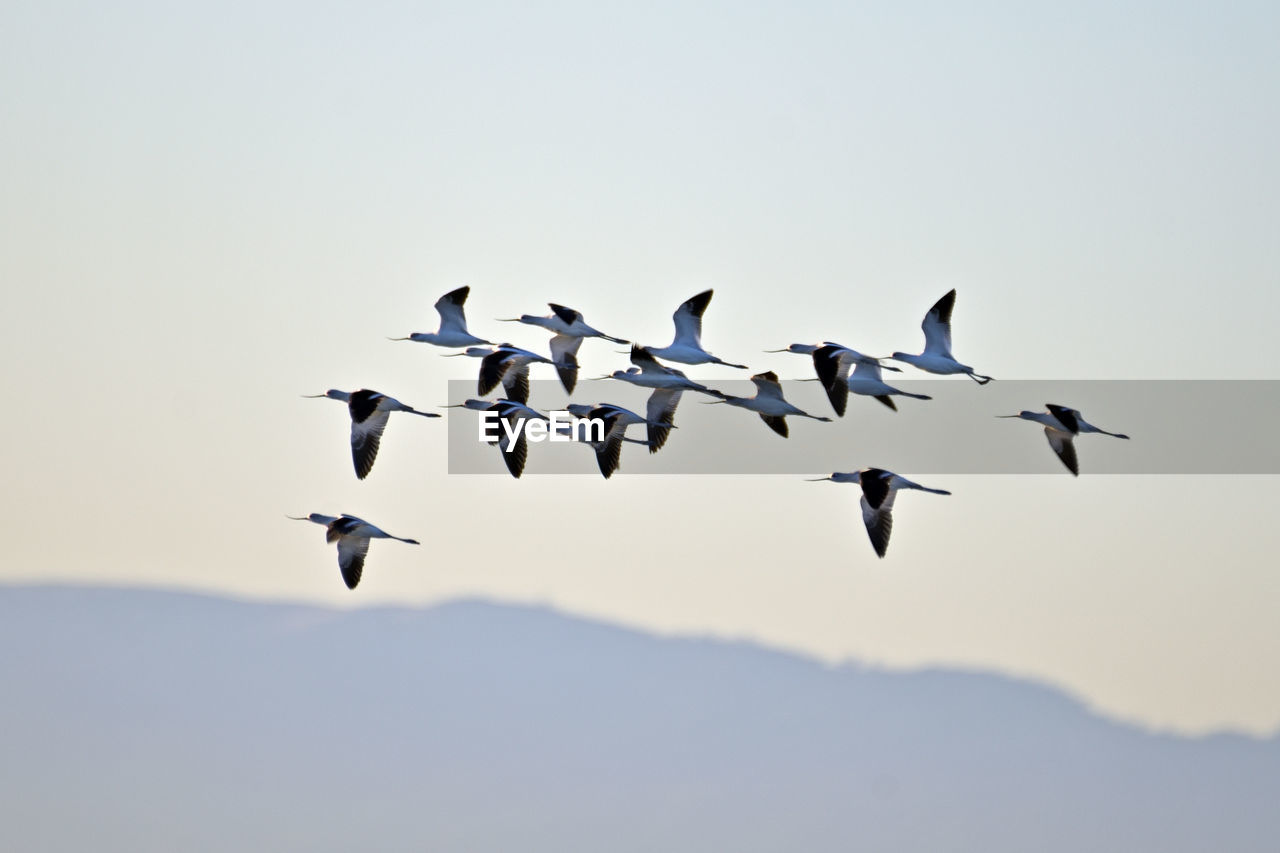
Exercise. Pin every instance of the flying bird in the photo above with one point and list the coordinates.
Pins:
(569, 330)
(369, 413)
(615, 420)
(686, 348)
(937, 357)
(768, 403)
(352, 535)
(453, 323)
(509, 365)
(515, 414)
(668, 385)
(879, 487)
(832, 363)
(1061, 426)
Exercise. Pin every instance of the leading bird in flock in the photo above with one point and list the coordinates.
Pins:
(937, 357)
(1061, 426)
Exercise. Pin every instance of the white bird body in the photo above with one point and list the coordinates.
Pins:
(686, 346)
(647, 372)
(768, 402)
(879, 488)
(453, 323)
(937, 357)
(352, 535)
(565, 321)
(369, 412)
(569, 329)
(1061, 425)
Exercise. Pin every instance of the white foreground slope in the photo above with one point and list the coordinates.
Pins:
(154, 721)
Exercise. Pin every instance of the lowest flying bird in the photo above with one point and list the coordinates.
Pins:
(369, 413)
(879, 488)
(352, 535)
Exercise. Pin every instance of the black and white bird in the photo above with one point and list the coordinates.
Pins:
(769, 403)
(511, 439)
(369, 413)
(569, 330)
(615, 420)
(1061, 426)
(668, 385)
(937, 357)
(833, 362)
(352, 535)
(686, 347)
(453, 323)
(509, 365)
(879, 487)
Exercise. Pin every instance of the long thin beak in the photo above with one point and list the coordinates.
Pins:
(313, 396)
(1007, 416)
(778, 350)
(508, 319)
(298, 517)
(397, 339)
(817, 479)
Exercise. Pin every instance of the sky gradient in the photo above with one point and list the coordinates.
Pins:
(207, 212)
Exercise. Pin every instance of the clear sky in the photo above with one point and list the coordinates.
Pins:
(207, 211)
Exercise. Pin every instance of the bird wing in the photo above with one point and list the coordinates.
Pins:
(564, 350)
(351, 554)
(514, 453)
(767, 386)
(567, 315)
(366, 435)
(515, 381)
(1062, 445)
(1069, 418)
(609, 451)
(449, 306)
(492, 367)
(643, 359)
(879, 524)
(688, 319)
(877, 487)
(833, 371)
(777, 423)
(937, 326)
(661, 408)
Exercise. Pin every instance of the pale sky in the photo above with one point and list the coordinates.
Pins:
(206, 212)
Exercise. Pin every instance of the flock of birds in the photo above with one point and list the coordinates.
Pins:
(841, 371)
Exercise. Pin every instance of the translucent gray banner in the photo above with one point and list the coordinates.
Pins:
(1175, 426)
